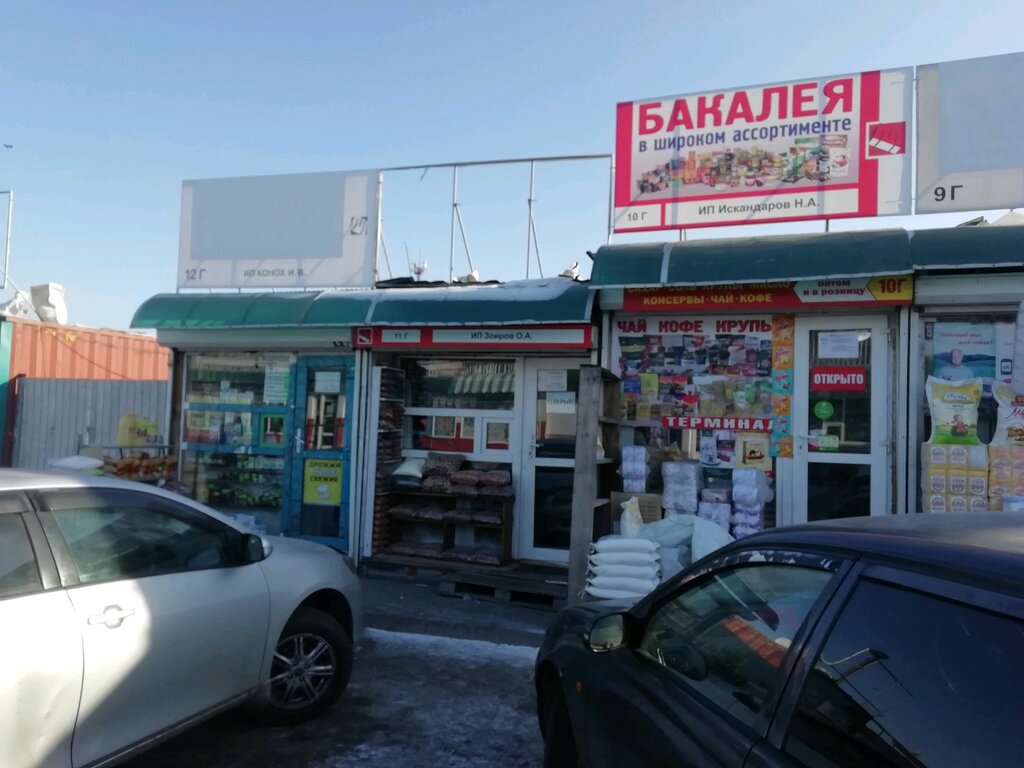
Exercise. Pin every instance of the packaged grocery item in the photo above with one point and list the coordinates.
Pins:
(956, 481)
(977, 504)
(954, 410)
(1009, 417)
(937, 502)
(935, 480)
(1013, 503)
(977, 482)
(1000, 456)
(683, 481)
(935, 455)
(977, 456)
(959, 456)
(957, 503)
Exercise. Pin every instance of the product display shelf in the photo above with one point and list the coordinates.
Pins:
(461, 540)
(387, 388)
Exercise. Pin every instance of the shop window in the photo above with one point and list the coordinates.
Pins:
(243, 379)
(716, 392)
(976, 350)
(461, 384)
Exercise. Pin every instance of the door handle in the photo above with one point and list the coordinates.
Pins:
(113, 616)
(298, 440)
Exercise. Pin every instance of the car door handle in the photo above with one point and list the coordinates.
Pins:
(113, 616)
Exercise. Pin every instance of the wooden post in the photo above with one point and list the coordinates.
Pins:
(585, 481)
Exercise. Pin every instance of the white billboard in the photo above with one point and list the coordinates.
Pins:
(287, 231)
(970, 156)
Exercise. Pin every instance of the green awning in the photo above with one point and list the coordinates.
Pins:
(523, 302)
(557, 300)
(754, 259)
(968, 247)
(253, 310)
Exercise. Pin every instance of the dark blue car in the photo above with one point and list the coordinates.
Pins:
(875, 642)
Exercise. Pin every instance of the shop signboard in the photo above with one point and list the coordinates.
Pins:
(787, 295)
(717, 423)
(321, 482)
(494, 337)
(287, 231)
(819, 148)
(969, 153)
(839, 379)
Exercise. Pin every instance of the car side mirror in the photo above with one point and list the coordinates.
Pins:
(685, 659)
(607, 633)
(253, 549)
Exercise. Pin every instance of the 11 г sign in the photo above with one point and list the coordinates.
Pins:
(823, 148)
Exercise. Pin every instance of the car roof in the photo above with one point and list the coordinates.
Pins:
(27, 479)
(988, 542)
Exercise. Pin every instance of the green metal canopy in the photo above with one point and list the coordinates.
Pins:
(557, 300)
(968, 247)
(252, 310)
(753, 259)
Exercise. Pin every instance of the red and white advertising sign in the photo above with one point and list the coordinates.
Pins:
(837, 292)
(821, 148)
(836, 379)
(734, 424)
(496, 337)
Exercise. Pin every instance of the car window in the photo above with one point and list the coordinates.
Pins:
(728, 635)
(18, 570)
(908, 679)
(122, 535)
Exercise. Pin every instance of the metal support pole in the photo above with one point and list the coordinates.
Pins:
(455, 211)
(611, 198)
(465, 241)
(387, 258)
(529, 220)
(7, 246)
(380, 229)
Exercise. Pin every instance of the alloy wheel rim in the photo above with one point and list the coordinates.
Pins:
(303, 668)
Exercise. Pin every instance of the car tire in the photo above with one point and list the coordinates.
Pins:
(559, 743)
(311, 667)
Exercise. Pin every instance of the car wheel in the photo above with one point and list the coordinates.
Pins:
(311, 667)
(559, 742)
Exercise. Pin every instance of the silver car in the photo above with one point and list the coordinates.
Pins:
(128, 614)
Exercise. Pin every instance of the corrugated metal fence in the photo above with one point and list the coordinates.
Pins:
(55, 417)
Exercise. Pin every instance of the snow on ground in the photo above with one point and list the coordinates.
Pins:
(415, 701)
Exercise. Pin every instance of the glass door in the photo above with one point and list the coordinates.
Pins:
(549, 448)
(841, 419)
(320, 456)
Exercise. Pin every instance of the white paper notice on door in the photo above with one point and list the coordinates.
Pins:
(838, 345)
(552, 381)
(561, 413)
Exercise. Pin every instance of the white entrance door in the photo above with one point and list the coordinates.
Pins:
(549, 446)
(841, 423)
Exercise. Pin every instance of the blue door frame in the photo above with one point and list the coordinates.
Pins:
(297, 453)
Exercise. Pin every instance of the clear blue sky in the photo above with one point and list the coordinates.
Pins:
(110, 105)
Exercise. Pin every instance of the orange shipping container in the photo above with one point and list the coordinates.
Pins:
(50, 351)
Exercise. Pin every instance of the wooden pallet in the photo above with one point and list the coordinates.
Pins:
(528, 592)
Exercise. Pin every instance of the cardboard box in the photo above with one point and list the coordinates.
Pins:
(650, 505)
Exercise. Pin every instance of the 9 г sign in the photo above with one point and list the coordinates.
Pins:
(827, 147)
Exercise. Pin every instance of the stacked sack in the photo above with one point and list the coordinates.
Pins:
(634, 469)
(683, 482)
(750, 492)
(622, 567)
